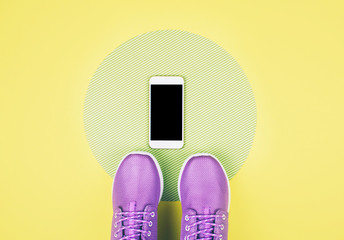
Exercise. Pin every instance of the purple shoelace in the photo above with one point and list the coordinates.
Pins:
(132, 223)
(209, 225)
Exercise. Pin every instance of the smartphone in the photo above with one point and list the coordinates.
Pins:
(166, 112)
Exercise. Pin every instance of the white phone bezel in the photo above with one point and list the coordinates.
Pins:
(166, 80)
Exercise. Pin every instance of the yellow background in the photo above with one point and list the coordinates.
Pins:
(291, 186)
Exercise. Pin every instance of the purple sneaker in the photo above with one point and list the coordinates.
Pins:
(205, 195)
(137, 190)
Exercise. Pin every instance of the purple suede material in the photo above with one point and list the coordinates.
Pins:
(136, 189)
(218, 221)
(137, 180)
(113, 228)
(204, 190)
(153, 229)
(183, 232)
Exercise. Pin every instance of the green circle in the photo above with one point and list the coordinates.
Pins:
(219, 112)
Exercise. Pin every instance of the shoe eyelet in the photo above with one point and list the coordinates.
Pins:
(222, 227)
(186, 238)
(115, 225)
(223, 217)
(152, 214)
(187, 218)
(187, 228)
(150, 223)
(220, 237)
(149, 233)
(115, 215)
(115, 235)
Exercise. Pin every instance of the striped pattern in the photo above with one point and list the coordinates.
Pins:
(220, 113)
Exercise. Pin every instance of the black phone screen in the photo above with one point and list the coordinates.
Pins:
(166, 116)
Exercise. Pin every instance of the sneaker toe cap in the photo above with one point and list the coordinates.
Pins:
(204, 184)
(137, 180)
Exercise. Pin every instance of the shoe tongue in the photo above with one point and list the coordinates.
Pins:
(131, 222)
(204, 226)
(206, 211)
(132, 206)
